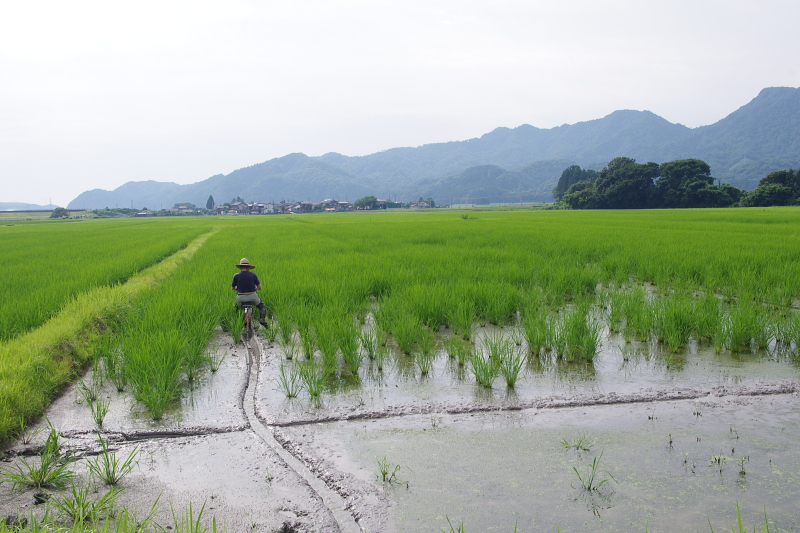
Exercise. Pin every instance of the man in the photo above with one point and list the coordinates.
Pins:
(246, 283)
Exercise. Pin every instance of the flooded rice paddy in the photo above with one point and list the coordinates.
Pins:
(679, 439)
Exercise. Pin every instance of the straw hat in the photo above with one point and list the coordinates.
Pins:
(244, 263)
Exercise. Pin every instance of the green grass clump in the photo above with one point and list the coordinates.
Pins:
(461, 318)
(407, 331)
(314, 377)
(290, 381)
(577, 335)
(49, 470)
(108, 468)
(485, 369)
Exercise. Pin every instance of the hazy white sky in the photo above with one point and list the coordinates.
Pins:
(94, 94)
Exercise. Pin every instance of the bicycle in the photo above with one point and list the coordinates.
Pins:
(247, 334)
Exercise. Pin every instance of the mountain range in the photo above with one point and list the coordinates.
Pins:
(21, 206)
(519, 164)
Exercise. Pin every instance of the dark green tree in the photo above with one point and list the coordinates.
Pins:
(625, 184)
(210, 202)
(571, 175)
(59, 212)
(781, 187)
(367, 202)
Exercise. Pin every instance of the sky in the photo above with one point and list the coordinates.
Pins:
(96, 94)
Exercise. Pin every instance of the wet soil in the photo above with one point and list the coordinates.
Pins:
(491, 458)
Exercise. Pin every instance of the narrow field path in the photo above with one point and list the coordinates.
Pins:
(38, 364)
(333, 501)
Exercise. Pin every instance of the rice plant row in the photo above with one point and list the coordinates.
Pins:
(69, 259)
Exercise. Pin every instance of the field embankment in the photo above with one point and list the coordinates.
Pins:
(35, 365)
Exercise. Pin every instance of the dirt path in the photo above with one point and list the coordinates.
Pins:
(213, 453)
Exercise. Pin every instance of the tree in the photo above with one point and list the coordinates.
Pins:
(768, 195)
(781, 187)
(431, 203)
(367, 202)
(210, 202)
(571, 175)
(686, 183)
(625, 184)
(59, 212)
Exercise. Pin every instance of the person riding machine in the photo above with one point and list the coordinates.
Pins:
(246, 283)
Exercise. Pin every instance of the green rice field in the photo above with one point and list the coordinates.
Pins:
(435, 305)
(729, 278)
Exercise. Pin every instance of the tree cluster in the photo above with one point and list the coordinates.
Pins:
(367, 202)
(781, 187)
(59, 212)
(626, 184)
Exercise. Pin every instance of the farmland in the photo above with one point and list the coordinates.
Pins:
(503, 307)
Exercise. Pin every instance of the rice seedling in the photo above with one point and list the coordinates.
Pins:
(326, 335)
(155, 361)
(88, 393)
(535, 330)
(516, 336)
(187, 522)
(512, 361)
(387, 472)
(233, 323)
(495, 344)
(461, 318)
(79, 508)
(460, 528)
(590, 480)
(99, 411)
(744, 325)
(26, 435)
(347, 340)
(314, 377)
(424, 361)
(578, 336)
(108, 468)
(740, 528)
(215, 358)
(581, 444)
(51, 469)
(674, 321)
(368, 339)
(407, 331)
(638, 313)
(380, 357)
(114, 366)
(485, 369)
(458, 349)
(290, 382)
(270, 330)
(290, 350)
(285, 327)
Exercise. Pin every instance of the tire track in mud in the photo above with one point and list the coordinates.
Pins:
(333, 501)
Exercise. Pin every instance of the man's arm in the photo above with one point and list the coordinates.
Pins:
(258, 287)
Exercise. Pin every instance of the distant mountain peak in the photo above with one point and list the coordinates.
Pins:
(759, 137)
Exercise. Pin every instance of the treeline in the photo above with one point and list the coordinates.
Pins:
(626, 184)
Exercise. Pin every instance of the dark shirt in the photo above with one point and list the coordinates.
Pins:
(245, 281)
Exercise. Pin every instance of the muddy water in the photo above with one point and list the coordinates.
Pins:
(635, 371)
(493, 470)
(489, 458)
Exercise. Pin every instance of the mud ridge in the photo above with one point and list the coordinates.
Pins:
(340, 510)
(365, 502)
(555, 402)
